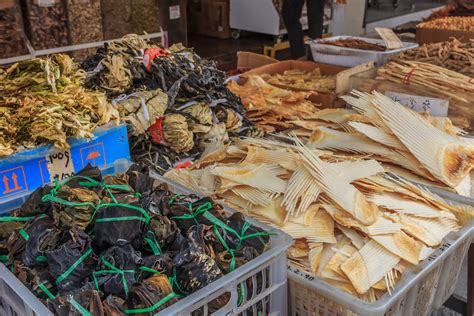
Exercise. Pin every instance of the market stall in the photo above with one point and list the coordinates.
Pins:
(144, 180)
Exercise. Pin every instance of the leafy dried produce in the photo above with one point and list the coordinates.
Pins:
(43, 100)
(354, 226)
(356, 44)
(138, 252)
(452, 55)
(303, 79)
(200, 109)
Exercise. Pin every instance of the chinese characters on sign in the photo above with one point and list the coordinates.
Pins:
(435, 107)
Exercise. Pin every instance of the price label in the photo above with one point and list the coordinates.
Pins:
(46, 3)
(301, 273)
(60, 164)
(434, 106)
(389, 37)
(175, 12)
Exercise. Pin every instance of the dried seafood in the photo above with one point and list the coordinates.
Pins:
(303, 80)
(452, 55)
(459, 23)
(12, 40)
(356, 44)
(199, 108)
(445, 83)
(125, 246)
(354, 226)
(272, 108)
(43, 100)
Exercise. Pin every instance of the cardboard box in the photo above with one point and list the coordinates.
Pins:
(248, 60)
(209, 18)
(23, 172)
(424, 35)
(327, 100)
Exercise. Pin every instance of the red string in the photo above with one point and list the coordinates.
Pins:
(407, 78)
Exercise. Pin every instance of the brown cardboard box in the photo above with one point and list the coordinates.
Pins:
(424, 35)
(248, 60)
(210, 18)
(327, 100)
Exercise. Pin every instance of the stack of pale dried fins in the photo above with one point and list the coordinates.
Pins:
(354, 225)
(428, 150)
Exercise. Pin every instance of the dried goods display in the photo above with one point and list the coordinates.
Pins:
(452, 55)
(448, 84)
(121, 245)
(459, 23)
(303, 79)
(193, 109)
(272, 108)
(44, 101)
(12, 40)
(46, 24)
(354, 226)
(456, 8)
(356, 44)
(85, 24)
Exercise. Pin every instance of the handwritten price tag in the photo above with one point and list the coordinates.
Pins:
(46, 3)
(434, 106)
(389, 37)
(60, 164)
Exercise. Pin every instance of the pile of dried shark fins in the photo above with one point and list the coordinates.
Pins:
(354, 225)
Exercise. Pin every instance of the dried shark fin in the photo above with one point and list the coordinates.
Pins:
(338, 187)
(378, 135)
(369, 265)
(447, 158)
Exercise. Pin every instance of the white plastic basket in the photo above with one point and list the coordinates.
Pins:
(421, 289)
(267, 294)
(351, 57)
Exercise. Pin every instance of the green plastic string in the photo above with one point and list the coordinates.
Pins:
(41, 259)
(241, 295)
(154, 245)
(24, 234)
(152, 308)
(79, 307)
(143, 268)
(119, 219)
(113, 270)
(73, 266)
(16, 219)
(3, 258)
(173, 198)
(46, 291)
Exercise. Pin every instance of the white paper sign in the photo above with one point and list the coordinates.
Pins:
(46, 3)
(60, 164)
(175, 12)
(434, 106)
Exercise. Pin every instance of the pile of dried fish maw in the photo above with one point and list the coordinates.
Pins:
(456, 87)
(272, 108)
(12, 41)
(458, 23)
(43, 101)
(452, 55)
(303, 80)
(120, 243)
(46, 24)
(354, 226)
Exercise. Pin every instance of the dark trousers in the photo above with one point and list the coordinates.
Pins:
(292, 10)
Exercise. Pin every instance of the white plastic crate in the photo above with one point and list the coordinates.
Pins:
(351, 57)
(422, 288)
(267, 294)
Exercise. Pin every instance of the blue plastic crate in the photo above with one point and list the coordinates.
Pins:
(25, 171)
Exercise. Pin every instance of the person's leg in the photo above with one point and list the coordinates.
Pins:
(292, 10)
(315, 18)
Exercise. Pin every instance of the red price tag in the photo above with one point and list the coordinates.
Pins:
(150, 54)
(156, 132)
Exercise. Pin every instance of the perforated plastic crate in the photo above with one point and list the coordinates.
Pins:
(421, 288)
(263, 279)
